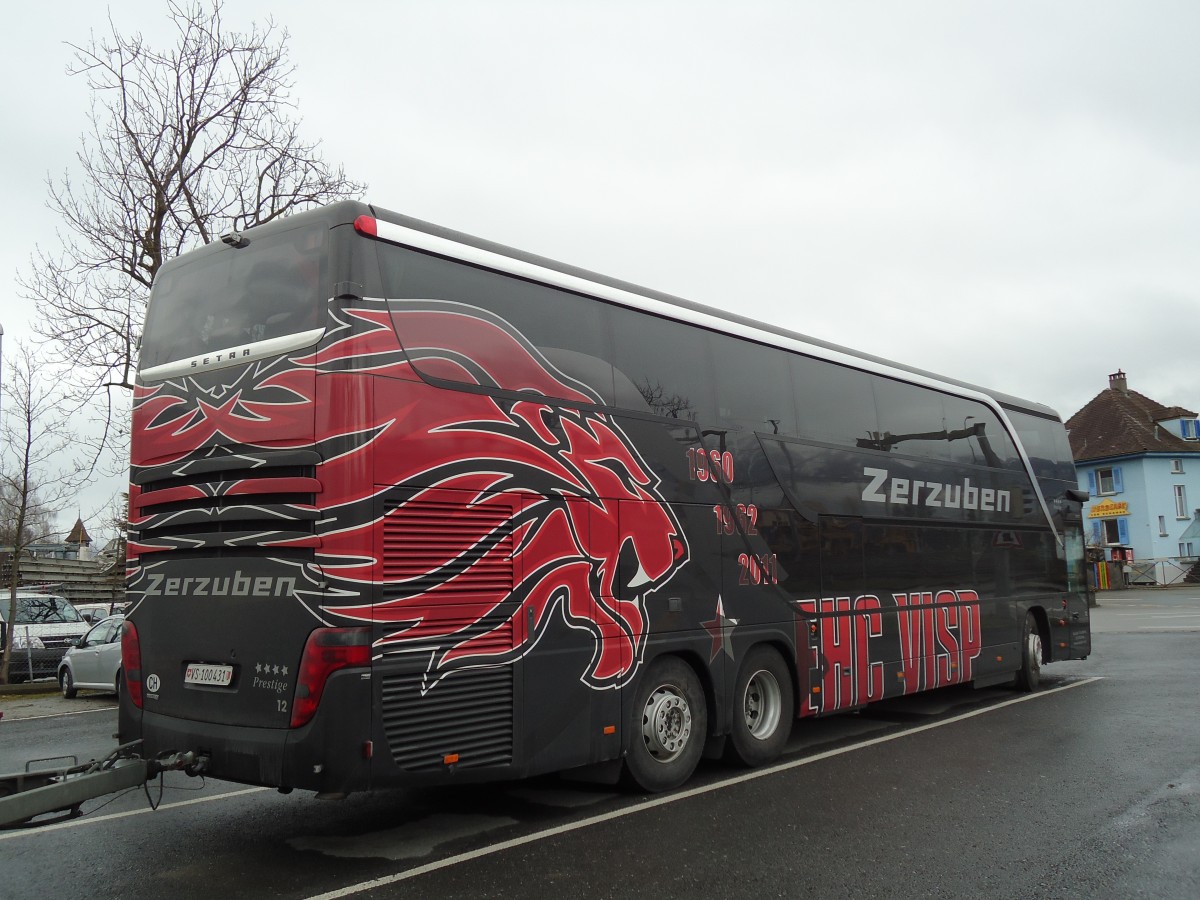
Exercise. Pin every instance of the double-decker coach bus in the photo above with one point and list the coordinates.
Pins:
(411, 507)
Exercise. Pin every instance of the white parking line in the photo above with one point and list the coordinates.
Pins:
(78, 712)
(86, 820)
(673, 798)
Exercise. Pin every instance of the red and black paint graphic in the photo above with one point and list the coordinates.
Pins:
(552, 491)
(932, 641)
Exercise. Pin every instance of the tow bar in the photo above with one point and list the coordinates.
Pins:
(36, 792)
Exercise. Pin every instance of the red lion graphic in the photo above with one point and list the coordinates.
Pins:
(553, 493)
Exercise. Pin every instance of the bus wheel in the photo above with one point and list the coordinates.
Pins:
(763, 709)
(1030, 673)
(668, 724)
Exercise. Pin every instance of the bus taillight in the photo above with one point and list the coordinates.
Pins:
(326, 651)
(131, 662)
(366, 225)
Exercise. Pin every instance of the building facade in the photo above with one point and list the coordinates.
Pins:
(70, 568)
(1140, 461)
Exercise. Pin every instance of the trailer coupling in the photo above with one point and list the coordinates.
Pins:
(37, 792)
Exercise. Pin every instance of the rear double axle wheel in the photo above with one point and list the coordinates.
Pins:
(763, 710)
(669, 719)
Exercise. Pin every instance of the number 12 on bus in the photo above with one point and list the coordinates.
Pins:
(407, 506)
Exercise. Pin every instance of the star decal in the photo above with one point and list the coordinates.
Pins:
(720, 628)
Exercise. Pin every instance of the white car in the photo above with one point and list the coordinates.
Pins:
(45, 627)
(95, 662)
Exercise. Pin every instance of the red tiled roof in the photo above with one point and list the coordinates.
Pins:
(1118, 422)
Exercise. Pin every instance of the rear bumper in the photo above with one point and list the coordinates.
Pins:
(329, 754)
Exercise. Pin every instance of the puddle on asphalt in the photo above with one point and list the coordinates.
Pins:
(412, 840)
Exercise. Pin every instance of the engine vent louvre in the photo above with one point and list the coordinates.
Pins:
(458, 550)
(468, 715)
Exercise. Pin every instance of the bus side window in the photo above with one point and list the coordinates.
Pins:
(834, 404)
(754, 390)
(667, 364)
(912, 420)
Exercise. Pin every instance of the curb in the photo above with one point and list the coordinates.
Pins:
(35, 687)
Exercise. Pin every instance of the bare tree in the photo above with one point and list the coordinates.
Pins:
(35, 436)
(184, 144)
(663, 404)
(39, 517)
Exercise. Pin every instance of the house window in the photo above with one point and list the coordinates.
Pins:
(1186, 428)
(1180, 502)
(1116, 531)
(1177, 467)
(1186, 548)
(1109, 481)
(1162, 526)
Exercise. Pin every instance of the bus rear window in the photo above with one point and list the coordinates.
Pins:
(227, 297)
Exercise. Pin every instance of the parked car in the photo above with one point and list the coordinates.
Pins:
(95, 662)
(94, 612)
(46, 625)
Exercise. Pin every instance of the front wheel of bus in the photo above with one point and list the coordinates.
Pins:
(1029, 676)
(763, 709)
(668, 725)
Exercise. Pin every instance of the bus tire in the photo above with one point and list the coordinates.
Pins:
(668, 724)
(1029, 676)
(763, 709)
(67, 684)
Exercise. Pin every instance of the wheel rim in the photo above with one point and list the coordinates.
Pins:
(1034, 644)
(762, 705)
(666, 723)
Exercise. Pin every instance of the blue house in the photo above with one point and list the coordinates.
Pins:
(1140, 461)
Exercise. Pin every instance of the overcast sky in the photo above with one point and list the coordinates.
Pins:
(1004, 192)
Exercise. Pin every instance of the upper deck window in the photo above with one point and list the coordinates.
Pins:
(227, 297)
